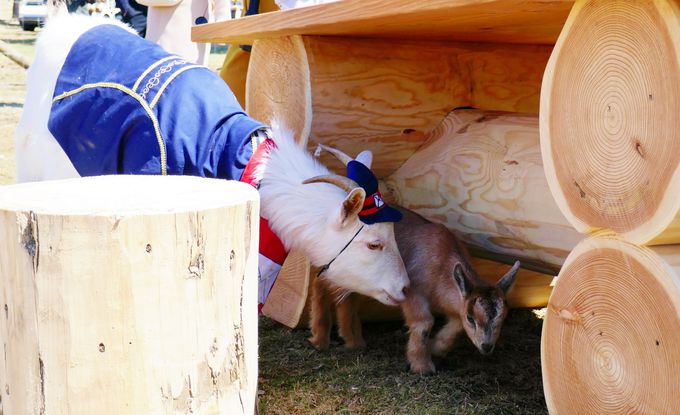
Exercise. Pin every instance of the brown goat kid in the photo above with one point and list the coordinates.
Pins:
(442, 281)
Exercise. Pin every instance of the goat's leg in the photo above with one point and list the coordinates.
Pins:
(358, 332)
(321, 319)
(446, 336)
(349, 324)
(419, 320)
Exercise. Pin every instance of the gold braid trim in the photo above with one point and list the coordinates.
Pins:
(142, 102)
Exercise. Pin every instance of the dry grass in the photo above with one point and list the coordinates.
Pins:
(296, 379)
(12, 92)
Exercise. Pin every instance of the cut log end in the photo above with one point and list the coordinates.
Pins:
(268, 99)
(129, 294)
(125, 195)
(609, 137)
(611, 334)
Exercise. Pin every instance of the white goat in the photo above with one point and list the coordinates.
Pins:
(319, 218)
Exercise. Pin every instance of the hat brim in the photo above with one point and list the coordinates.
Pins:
(386, 214)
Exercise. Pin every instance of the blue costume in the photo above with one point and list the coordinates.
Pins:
(129, 107)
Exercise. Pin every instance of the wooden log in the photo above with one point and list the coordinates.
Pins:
(128, 295)
(505, 21)
(278, 87)
(385, 95)
(611, 336)
(609, 129)
(480, 174)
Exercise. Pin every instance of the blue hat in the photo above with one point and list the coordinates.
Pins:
(375, 209)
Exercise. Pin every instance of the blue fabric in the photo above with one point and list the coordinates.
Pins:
(106, 131)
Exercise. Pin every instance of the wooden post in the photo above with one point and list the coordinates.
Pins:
(128, 295)
(609, 127)
(611, 336)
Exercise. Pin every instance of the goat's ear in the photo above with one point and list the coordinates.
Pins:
(462, 281)
(351, 206)
(509, 278)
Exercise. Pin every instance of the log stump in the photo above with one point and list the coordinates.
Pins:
(128, 295)
(611, 336)
(609, 127)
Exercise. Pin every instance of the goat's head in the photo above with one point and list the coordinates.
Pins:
(483, 308)
(365, 257)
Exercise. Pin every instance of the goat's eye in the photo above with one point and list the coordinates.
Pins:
(374, 246)
(471, 320)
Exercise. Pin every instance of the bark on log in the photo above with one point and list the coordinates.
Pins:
(128, 295)
(609, 127)
(481, 175)
(385, 95)
(611, 336)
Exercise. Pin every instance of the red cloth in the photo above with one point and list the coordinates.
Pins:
(270, 244)
(271, 247)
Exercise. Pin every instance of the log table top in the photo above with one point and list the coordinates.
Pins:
(505, 21)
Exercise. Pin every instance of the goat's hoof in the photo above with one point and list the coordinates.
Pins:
(318, 344)
(423, 368)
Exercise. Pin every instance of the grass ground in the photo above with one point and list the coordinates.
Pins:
(296, 379)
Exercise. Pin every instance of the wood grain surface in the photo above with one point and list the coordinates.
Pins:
(609, 125)
(481, 175)
(128, 295)
(506, 21)
(611, 335)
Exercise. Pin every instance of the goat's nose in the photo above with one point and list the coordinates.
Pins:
(406, 291)
(487, 348)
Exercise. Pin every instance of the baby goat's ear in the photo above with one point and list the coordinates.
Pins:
(351, 206)
(509, 278)
(463, 283)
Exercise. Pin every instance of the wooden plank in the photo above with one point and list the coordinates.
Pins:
(505, 21)
(287, 298)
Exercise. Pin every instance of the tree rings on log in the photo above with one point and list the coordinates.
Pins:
(610, 136)
(611, 336)
(278, 86)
